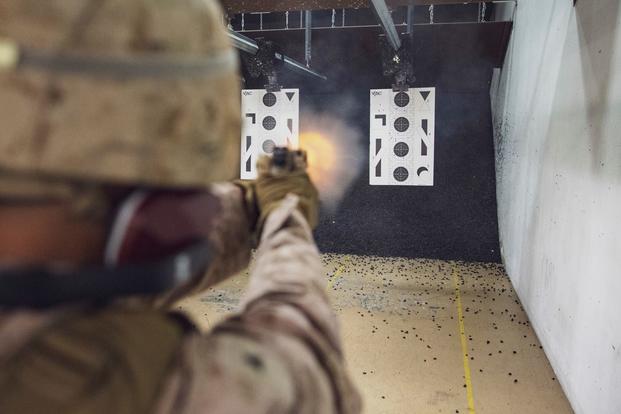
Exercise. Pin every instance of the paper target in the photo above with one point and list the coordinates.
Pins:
(401, 145)
(270, 119)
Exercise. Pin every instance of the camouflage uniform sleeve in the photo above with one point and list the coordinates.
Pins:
(281, 353)
(231, 243)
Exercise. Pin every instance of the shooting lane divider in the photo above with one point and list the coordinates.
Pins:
(457, 280)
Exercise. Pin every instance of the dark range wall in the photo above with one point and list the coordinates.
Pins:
(454, 219)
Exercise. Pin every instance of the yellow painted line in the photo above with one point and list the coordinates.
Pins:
(333, 278)
(336, 274)
(464, 342)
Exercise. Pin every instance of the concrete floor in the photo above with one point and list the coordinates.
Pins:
(408, 349)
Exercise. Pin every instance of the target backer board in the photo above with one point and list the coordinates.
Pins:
(270, 119)
(402, 137)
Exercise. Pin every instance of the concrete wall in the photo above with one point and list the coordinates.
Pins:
(557, 119)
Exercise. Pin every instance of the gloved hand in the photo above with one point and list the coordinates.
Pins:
(282, 174)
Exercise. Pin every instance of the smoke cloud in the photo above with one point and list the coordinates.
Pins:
(335, 153)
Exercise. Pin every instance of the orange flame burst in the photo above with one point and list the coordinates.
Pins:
(334, 155)
(322, 157)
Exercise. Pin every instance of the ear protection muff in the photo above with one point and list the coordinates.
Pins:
(157, 240)
(151, 225)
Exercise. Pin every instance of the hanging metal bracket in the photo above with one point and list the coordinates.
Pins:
(266, 58)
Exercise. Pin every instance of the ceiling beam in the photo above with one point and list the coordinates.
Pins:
(249, 6)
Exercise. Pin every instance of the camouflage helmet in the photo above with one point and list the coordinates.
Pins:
(115, 91)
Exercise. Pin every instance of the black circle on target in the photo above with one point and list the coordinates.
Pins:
(401, 174)
(402, 124)
(268, 146)
(402, 99)
(269, 123)
(269, 99)
(401, 149)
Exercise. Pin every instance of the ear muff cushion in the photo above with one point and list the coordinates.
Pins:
(151, 225)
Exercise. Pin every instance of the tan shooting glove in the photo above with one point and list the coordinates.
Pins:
(283, 173)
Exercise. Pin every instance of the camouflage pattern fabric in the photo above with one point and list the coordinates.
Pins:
(280, 353)
(157, 132)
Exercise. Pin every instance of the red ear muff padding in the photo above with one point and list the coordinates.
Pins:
(155, 224)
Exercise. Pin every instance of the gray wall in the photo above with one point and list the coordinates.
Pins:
(557, 120)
